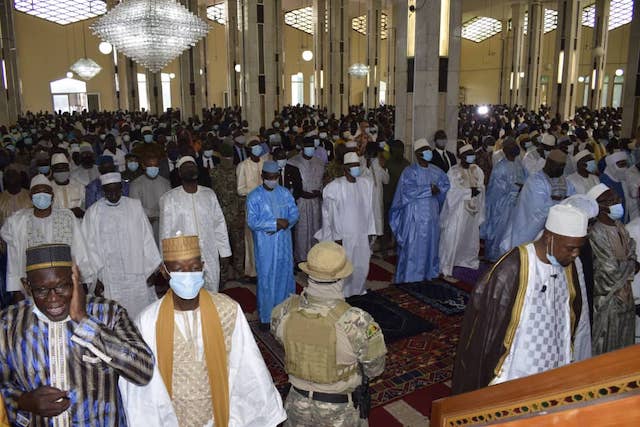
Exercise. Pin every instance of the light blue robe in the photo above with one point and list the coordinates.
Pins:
(273, 249)
(502, 196)
(415, 221)
(531, 212)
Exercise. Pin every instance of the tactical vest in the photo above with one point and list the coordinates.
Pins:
(310, 345)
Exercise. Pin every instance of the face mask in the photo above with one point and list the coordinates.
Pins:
(271, 183)
(427, 155)
(282, 163)
(470, 158)
(316, 142)
(126, 138)
(44, 170)
(552, 259)
(60, 136)
(591, 166)
(256, 150)
(276, 125)
(133, 166)
(28, 141)
(186, 284)
(148, 138)
(152, 171)
(309, 151)
(354, 171)
(528, 144)
(60, 177)
(42, 201)
(103, 136)
(208, 153)
(616, 212)
(323, 135)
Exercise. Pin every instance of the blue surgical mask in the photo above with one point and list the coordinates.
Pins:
(42, 201)
(256, 150)
(616, 212)
(282, 163)
(528, 144)
(148, 138)
(152, 171)
(552, 259)
(309, 151)
(186, 284)
(133, 166)
(316, 142)
(592, 167)
(44, 170)
(271, 183)
(471, 158)
(354, 171)
(427, 155)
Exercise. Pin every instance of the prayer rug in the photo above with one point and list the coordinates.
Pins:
(449, 299)
(242, 296)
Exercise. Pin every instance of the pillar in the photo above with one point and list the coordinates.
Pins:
(319, 49)
(565, 74)
(10, 102)
(600, 41)
(193, 90)
(154, 92)
(338, 64)
(402, 124)
(128, 75)
(506, 37)
(231, 31)
(631, 88)
(453, 70)
(515, 79)
(374, 13)
(535, 31)
(391, 59)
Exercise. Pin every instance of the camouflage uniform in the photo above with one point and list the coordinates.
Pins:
(364, 340)
(223, 180)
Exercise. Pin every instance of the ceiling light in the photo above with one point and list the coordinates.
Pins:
(237, 68)
(480, 28)
(69, 74)
(62, 12)
(619, 72)
(581, 79)
(217, 13)
(86, 68)
(307, 55)
(172, 75)
(105, 48)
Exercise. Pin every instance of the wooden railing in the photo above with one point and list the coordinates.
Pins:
(611, 380)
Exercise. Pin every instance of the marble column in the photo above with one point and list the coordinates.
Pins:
(391, 59)
(535, 31)
(128, 76)
(231, 31)
(600, 41)
(402, 125)
(515, 79)
(193, 90)
(154, 92)
(567, 60)
(453, 71)
(319, 50)
(273, 48)
(631, 94)
(338, 64)
(11, 102)
(506, 41)
(374, 15)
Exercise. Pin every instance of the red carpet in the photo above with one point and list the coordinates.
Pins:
(244, 297)
(379, 274)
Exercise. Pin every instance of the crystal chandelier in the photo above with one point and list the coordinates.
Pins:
(86, 68)
(151, 32)
(358, 70)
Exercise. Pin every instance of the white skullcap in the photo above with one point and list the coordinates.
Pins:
(39, 179)
(351, 144)
(185, 159)
(568, 221)
(583, 203)
(347, 136)
(110, 178)
(145, 129)
(59, 158)
(420, 143)
(351, 157)
(549, 140)
(614, 158)
(465, 148)
(581, 155)
(597, 191)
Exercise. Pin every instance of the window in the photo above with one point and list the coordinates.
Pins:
(550, 20)
(312, 90)
(383, 92)
(617, 91)
(359, 24)
(142, 91)
(621, 13)
(480, 28)
(302, 19)
(604, 99)
(297, 89)
(166, 91)
(62, 12)
(587, 87)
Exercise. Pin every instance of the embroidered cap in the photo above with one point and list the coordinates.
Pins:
(180, 248)
(48, 256)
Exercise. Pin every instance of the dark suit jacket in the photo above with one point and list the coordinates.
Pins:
(237, 158)
(292, 180)
(440, 162)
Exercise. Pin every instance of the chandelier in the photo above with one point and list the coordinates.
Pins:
(151, 32)
(358, 70)
(86, 68)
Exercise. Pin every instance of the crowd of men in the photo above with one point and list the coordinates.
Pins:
(136, 222)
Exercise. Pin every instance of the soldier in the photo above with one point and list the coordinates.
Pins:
(331, 348)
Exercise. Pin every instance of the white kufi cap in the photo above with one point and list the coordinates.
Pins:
(568, 221)
(420, 143)
(581, 155)
(59, 158)
(583, 203)
(185, 159)
(597, 191)
(39, 179)
(351, 157)
(110, 178)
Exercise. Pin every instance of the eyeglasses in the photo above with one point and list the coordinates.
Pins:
(60, 290)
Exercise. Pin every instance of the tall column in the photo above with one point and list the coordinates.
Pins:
(231, 31)
(402, 125)
(154, 92)
(535, 31)
(319, 49)
(453, 70)
(10, 101)
(374, 13)
(600, 41)
(631, 105)
(565, 74)
(129, 83)
(193, 68)
(273, 47)
(391, 59)
(506, 40)
(426, 70)
(338, 65)
(517, 55)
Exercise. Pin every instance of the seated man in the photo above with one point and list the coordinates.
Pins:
(63, 352)
(209, 366)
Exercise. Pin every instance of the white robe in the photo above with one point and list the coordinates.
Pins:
(122, 264)
(347, 215)
(631, 186)
(581, 184)
(85, 176)
(249, 176)
(379, 177)
(198, 214)
(118, 159)
(68, 196)
(23, 230)
(460, 220)
(253, 399)
(634, 231)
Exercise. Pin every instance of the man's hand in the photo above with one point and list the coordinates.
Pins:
(99, 291)
(474, 191)
(282, 224)
(78, 212)
(434, 190)
(381, 160)
(78, 307)
(44, 401)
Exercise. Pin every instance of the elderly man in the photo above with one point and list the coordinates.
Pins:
(67, 192)
(586, 175)
(40, 225)
(83, 345)
(123, 265)
(328, 345)
(347, 218)
(192, 209)
(209, 367)
(271, 214)
(525, 314)
(415, 216)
